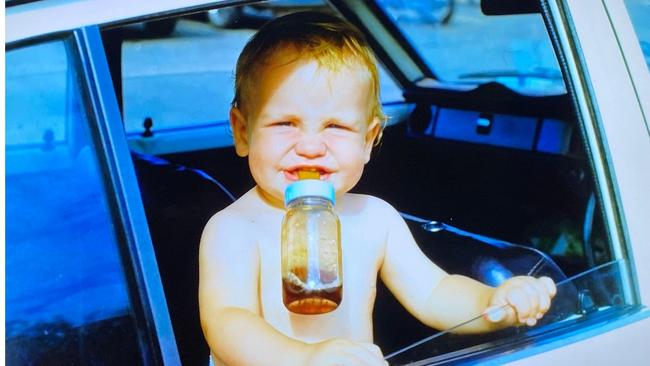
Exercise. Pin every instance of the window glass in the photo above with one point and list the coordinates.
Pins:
(462, 46)
(184, 78)
(639, 11)
(66, 292)
(596, 288)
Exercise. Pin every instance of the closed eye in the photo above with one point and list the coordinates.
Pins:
(282, 124)
(338, 126)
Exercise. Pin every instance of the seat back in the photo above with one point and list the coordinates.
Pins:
(178, 202)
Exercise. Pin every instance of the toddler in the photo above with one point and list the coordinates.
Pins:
(307, 98)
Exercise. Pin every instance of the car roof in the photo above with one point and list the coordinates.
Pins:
(44, 17)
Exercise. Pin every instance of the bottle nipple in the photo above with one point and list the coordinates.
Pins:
(308, 174)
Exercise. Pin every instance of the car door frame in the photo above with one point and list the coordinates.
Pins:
(138, 251)
(612, 90)
(154, 330)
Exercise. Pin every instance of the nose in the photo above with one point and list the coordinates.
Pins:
(310, 146)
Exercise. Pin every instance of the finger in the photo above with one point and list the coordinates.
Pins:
(540, 300)
(534, 296)
(499, 310)
(350, 359)
(549, 284)
(500, 314)
(496, 314)
(367, 354)
(518, 299)
(544, 298)
(373, 348)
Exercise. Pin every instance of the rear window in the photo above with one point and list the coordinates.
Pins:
(464, 47)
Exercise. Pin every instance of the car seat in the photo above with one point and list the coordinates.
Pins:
(178, 202)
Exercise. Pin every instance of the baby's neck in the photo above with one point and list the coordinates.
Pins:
(268, 200)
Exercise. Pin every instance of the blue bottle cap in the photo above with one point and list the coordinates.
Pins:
(309, 188)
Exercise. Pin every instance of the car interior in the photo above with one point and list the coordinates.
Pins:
(488, 174)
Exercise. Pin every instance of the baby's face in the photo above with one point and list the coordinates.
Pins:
(303, 116)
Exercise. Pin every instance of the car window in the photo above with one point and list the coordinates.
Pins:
(639, 11)
(66, 290)
(462, 46)
(597, 289)
(185, 78)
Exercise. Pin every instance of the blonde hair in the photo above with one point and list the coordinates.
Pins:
(330, 40)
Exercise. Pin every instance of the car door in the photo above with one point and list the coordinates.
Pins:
(463, 158)
(82, 282)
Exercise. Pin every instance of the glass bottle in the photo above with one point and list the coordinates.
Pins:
(311, 249)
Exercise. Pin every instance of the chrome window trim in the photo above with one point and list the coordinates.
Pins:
(622, 127)
(143, 276)
(586, 100)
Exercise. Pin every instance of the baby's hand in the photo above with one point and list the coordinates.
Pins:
(344, 352)
(527, 299)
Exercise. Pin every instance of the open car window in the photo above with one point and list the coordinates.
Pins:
(587, 298)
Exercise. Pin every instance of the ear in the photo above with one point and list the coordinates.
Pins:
(371, 136)
(239, 131)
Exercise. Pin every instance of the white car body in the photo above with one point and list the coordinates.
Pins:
(613, 83)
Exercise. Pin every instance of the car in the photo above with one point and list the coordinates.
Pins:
(517, 143)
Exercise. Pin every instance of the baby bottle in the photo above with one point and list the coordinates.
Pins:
(311, 248)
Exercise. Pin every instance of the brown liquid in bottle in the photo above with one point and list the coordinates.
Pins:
(298, 298)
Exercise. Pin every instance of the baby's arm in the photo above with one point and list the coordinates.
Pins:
(230, 308)
(458, 298)
(441, 300)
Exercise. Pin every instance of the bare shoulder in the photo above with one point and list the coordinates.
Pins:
(228, 260)
(225, 221)
(230, 226)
